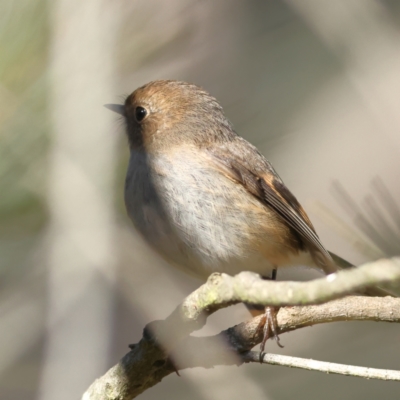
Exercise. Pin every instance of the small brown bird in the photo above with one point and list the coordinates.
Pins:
(203, 197)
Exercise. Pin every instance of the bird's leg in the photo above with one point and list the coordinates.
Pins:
(269, 321)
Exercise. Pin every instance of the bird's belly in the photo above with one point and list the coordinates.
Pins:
(202, 222)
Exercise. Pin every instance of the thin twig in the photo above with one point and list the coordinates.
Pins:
(322, 366)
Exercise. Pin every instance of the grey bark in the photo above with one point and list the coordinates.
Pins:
(166, 345)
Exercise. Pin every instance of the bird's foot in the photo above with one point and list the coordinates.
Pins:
(270, 328)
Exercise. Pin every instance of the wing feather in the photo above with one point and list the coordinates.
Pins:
(250, 169)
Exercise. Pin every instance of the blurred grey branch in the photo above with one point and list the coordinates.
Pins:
(166, 345)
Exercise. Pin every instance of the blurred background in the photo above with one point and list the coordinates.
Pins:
(314, 84)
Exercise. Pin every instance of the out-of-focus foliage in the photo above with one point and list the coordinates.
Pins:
(313, 84)
(24, 125)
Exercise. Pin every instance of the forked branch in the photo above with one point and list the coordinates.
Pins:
(166, 345)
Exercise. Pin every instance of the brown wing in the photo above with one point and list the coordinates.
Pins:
(242, 162)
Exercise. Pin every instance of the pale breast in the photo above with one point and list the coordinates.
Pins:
(201, 221)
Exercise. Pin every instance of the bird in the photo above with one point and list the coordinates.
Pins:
(204, 198)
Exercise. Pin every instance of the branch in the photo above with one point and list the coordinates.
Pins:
(219, 349)
(163, 341)
(320, 366)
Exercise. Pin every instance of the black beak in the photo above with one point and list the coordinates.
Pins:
(118, 108)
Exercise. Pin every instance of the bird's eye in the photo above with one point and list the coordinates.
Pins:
(140, 113)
